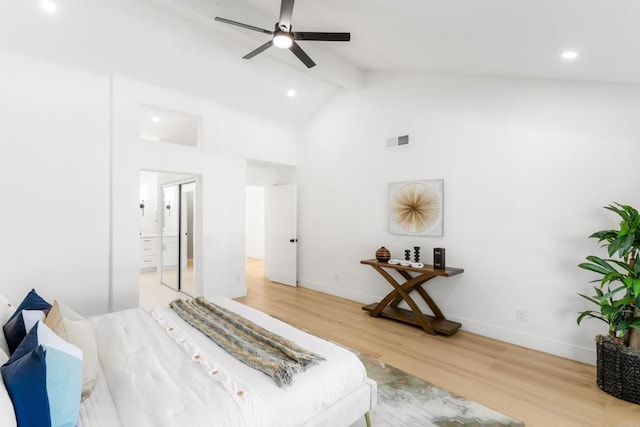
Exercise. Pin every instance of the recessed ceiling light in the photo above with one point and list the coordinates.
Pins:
(155, 119)
(569, 55)
(291, 93)
(48, 6)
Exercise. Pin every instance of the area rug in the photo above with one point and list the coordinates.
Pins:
(405, 400)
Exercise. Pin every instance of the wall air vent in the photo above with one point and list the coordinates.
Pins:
(398, 141)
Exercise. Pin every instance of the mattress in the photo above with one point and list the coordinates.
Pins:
(159, 371)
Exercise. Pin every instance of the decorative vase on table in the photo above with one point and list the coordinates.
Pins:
(383, 254)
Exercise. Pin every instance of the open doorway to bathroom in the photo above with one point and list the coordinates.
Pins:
(168, 246)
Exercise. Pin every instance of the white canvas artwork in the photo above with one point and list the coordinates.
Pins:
(415, 207)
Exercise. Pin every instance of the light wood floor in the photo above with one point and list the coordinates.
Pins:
(537, 388)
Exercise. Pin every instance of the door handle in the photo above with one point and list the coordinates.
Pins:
(293, 240)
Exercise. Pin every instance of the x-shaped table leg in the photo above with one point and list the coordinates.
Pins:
(401, 292)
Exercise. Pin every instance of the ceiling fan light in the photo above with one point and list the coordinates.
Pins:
(282, 40)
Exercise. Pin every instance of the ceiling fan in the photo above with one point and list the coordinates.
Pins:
(284, 38)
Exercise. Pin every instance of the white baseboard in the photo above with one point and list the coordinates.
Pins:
(338, 291)
(523, 339)
(546, 345)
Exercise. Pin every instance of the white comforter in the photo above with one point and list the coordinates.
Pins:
(162, 372)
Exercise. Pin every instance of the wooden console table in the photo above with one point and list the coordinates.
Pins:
(388, 306)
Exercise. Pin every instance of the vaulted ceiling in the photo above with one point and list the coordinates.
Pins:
(177, 44)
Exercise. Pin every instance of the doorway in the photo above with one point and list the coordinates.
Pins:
(281, 242)
(168, 237)
(271, 221)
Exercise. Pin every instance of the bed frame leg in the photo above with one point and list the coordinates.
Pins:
(367, 418)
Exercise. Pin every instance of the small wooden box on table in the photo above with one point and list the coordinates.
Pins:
(388, 306)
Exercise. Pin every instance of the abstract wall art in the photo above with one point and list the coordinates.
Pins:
(415, 207)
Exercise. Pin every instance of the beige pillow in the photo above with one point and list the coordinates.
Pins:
(77, 330)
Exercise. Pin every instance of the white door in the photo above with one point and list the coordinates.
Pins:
(281, 234)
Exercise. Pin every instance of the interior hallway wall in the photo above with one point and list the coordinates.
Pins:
(255, 222)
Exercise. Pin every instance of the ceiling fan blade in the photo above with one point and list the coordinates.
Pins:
(240, 24)
(286, 10)
(261, 49)
(301, 54)
(329, 37)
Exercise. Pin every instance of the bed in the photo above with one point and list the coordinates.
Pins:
(156, 370)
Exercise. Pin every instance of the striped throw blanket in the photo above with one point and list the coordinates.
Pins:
(251, 344)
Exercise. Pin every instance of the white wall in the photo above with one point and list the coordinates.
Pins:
(54, 166)
(71, 161)
(149, 193)
(255, 222)
(527, 166)
(219, 163)
(259, 176)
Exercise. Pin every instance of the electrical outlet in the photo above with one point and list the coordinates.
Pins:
(521, 315)
(336, 277)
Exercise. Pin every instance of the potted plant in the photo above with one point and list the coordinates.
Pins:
(617, 295)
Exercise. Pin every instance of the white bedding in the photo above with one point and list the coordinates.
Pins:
(98, 410)
(160, 372)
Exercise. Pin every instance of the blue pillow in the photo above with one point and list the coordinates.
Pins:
(44, 379)
(20, 323)
(32, 301)
(18, 327)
